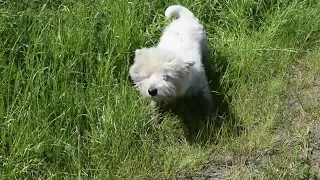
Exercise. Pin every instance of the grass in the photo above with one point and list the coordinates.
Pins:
(68, 109)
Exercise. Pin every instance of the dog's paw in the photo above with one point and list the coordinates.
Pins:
(156, 119)
(155, 115)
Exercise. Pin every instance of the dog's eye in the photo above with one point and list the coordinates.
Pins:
(165, 77)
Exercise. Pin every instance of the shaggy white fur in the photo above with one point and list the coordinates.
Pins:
(174, 68)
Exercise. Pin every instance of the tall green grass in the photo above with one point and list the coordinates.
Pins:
(68, 109)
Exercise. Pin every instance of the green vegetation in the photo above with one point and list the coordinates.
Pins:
(68, 109)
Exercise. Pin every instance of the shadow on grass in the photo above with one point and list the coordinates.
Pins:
(201, 128)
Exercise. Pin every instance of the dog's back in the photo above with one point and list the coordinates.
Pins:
(185, 35)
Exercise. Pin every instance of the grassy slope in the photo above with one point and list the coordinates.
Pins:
(67, 108)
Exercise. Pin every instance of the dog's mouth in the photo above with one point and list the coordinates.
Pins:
(161, 93)
(157, 99)
(162, 99)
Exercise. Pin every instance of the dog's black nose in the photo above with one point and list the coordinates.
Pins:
(153, 91)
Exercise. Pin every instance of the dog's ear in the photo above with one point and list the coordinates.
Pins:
(137, 52)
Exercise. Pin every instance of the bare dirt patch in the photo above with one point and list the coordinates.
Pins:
(296, 151)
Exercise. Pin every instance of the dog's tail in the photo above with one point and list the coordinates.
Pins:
(179, 11)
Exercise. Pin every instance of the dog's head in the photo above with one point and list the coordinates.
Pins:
(159, 74)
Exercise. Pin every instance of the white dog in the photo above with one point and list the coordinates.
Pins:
(174, 67)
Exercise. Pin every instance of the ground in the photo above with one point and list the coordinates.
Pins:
(68, 109)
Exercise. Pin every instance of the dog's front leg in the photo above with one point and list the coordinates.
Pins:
(155, 117)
